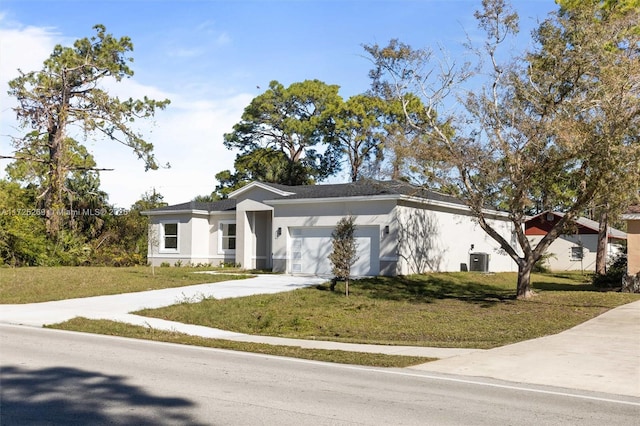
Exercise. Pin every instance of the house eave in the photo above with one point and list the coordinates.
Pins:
(631, 216)
(454, 206)
(377, 198)
(282, 201)
(174, 212)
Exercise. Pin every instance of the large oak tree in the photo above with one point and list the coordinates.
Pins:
(531, 124)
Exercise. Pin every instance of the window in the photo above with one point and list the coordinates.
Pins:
(170, 236)
(577, 253)
(227, 237)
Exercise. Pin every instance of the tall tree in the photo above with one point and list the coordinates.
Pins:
(519, 131)
(610, 101)
(295, 121)
(368, 127)
(67, 91)
(262, 164)
(81, 189)
(359, 132)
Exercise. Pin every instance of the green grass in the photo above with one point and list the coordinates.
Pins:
(126, 330)
(465, 310)
(460, 310)
(43, 284)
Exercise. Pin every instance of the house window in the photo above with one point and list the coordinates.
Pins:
(227, 237)
(170, 236)
(577, 253)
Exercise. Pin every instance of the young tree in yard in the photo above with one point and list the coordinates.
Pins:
(296, 122)
(344, 253)
(527, 127)
(68, 92)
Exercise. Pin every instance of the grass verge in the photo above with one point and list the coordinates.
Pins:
(43, 284)
(457, 310)
(126, 330)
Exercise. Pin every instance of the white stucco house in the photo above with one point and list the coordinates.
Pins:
(575, 250)
(400, 230)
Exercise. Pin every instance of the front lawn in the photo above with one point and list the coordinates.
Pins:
(43, 284)
(464, 310)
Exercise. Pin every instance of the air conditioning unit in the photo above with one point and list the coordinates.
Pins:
(479, 262)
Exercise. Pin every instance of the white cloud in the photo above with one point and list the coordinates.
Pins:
(188, 134)
(15, 40)
(25, 48)
(223, 39)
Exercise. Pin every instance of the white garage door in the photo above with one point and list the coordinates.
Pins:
(310, 249)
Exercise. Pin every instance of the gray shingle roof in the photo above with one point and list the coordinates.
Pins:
(215, 206)
(363, 188)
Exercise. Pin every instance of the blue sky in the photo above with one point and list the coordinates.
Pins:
(210, 56)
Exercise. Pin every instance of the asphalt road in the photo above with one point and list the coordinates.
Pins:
(51, 377)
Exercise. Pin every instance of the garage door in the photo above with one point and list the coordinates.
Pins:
(311, 247)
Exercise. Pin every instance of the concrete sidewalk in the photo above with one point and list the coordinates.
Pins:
(601, 355)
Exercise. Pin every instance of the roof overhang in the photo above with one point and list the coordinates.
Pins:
(282, 201)
(631, 216)
(174, 212)
(378, 198)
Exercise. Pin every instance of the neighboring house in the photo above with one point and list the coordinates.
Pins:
(572, 251)
(632, 216)
(401, 230)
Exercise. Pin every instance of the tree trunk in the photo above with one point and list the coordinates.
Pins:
(601, 254)
(524, 279)
(53, 200)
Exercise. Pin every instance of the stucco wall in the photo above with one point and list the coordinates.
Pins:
(419, 239)
(560, 252)
(633, 246)
(197, 240)
(155, 254)
(374, 213)
(255, 194)
(440, 239)
(215, 255)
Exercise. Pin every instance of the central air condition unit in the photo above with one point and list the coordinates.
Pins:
(479, 262)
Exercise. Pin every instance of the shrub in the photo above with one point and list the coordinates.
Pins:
(616, 270)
